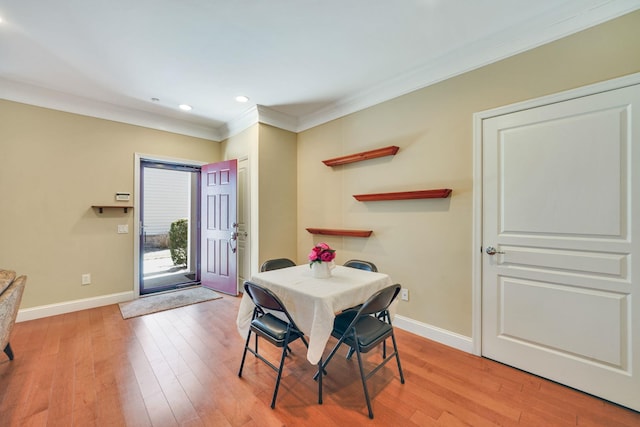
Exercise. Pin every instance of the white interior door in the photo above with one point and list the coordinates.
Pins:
(561, 193)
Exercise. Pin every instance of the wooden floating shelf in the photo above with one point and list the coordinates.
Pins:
(101, 207)
(365, 155)
(337, 232)
(405, 195)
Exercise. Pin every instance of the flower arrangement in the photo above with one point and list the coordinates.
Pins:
(321, 253)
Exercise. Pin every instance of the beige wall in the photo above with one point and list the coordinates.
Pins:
(277, 193)
(55, 165)
(426, 244)
(240, 145)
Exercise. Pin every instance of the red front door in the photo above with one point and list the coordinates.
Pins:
(218, 216)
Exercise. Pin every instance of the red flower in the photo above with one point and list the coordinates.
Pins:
(321, 253)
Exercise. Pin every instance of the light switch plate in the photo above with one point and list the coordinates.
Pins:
(123, 228)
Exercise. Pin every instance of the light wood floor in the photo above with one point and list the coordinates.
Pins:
(179, 368)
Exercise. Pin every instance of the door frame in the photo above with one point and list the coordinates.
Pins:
(477, 235)
(245, 205)
(138, 157)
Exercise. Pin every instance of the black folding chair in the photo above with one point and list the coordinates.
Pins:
(363, 329)
(361, 265)
(278, 332)
(276, 264)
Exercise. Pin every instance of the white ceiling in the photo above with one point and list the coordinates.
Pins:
(301, 62)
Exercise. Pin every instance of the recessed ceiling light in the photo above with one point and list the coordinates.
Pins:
(185, 107)
(155, 99)
(242, 98)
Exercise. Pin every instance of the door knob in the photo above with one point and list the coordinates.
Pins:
(492, 251)
(232, 241)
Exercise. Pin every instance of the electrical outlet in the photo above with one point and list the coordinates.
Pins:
(123, 228)
(86, 279)
(404, 294)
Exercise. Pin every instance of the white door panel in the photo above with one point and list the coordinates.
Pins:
(603, 264)
(531, 311)
(560, 205)
(570, 168)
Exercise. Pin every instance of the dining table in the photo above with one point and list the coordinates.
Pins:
(314, 302)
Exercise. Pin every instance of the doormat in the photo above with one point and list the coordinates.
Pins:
(166, 301)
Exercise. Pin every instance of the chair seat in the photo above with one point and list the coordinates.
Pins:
(274, 328)
(370, 330)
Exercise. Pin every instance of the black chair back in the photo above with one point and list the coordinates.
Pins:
(380, 301)
(361, 265)
(276, 264)
(263, 297)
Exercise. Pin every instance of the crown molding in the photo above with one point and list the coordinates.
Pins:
(258, 114)
(55, 100)
(475, 55)
(277, 119)
(239, 124)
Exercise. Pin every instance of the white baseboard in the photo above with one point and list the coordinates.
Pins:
(70, 306)
(434, 333)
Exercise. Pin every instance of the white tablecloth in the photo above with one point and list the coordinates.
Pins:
(313, 303)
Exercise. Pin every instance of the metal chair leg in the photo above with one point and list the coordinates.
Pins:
(395, 348)
(244, 354)
(350, 353)
(320, 382)
(8, 351)
(284, 355)
(326, 362)
(364, 382)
